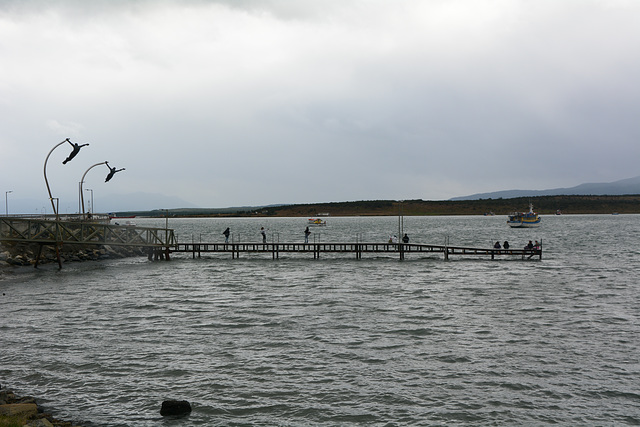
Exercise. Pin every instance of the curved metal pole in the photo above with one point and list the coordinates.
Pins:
(46, 181)
(82, 181)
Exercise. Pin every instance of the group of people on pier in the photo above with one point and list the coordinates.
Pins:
(529, 246)
(307, 233)
(394, 239)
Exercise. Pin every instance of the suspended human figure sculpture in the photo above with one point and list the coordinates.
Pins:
(76, 149)
(112, 171)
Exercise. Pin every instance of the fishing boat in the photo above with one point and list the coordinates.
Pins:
(524, 219)
(114, 216)
(317, 222)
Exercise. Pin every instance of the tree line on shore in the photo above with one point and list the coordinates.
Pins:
(544, 205)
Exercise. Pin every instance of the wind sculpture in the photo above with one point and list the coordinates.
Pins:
(74, 152)
(112, 171)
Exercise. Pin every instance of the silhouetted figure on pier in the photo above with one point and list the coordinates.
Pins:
(76, 150)
(505, 245)
(497, 245)
(112, 171)
(264, 235)
(226, 235)
(405, 238)
(306, 235)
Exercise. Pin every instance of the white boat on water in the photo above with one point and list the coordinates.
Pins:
(524, 219)
(317, 222)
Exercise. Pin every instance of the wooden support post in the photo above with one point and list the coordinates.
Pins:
(38, 256)
(58, 256)
(540, 249)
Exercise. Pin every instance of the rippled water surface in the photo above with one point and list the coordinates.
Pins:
(339, 341)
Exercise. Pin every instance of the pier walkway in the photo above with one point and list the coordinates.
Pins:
(400, 250)
(160, 243)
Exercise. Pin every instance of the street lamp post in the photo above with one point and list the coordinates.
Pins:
(92, 210)
(6, 202)
(400, 220)
(79, 193)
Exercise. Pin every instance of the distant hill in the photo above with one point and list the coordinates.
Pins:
(544, 205)
(616, 188)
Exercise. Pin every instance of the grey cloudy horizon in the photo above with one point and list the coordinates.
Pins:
(236, 103)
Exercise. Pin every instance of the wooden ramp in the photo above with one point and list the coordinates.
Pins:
(51, 232)
(400, 250)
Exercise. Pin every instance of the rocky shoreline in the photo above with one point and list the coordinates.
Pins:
(20, 255)
(25, 412)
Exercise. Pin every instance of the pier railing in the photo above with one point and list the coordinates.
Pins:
(397, 249)
(99, 232)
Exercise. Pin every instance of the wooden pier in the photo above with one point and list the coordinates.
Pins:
(160, 243)
(400, 250)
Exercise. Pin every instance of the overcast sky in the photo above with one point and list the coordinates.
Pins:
(229, 103)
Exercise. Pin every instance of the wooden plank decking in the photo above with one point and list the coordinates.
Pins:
(357, 249)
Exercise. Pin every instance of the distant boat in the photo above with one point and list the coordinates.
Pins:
(558, 212)
(524, 219)
(317, 222)
(128, 224)
(113, 216)
(489, 214)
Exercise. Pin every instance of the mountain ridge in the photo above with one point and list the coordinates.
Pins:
(616, 188)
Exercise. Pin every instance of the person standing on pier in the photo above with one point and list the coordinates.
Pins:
(226, 235)
(306, 235)
(505, 245)
(405, 238)
(264, 235)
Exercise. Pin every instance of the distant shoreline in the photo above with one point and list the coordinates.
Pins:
(543, 205)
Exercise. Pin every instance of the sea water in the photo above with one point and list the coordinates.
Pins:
(338, 341)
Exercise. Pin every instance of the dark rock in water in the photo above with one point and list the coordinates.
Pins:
(175, 407)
